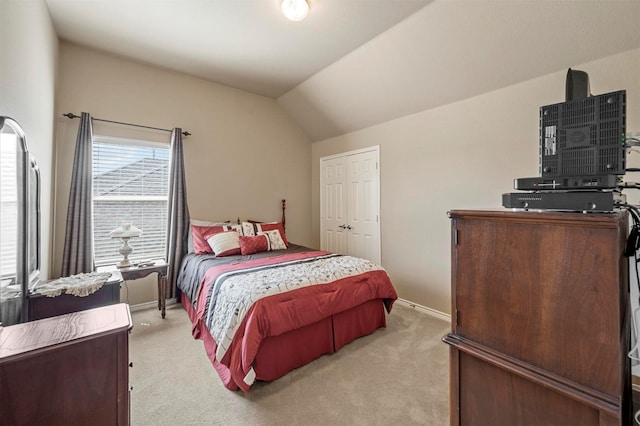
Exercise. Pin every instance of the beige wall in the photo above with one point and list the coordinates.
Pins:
(28, 60)
(244, 155)
(460, 156)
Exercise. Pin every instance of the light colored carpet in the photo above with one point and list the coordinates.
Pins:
(397, 375)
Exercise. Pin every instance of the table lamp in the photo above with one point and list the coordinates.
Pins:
(125, 232)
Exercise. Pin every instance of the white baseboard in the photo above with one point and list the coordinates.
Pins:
(434, 313)
(150, 305)
(425, 310)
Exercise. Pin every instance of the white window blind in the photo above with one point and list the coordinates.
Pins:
(130, 183)
(8, 206)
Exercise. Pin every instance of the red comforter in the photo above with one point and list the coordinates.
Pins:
(279, 313)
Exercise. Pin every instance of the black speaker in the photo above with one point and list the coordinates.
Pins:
(577, 86)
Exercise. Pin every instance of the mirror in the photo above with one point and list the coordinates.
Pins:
(20, 224)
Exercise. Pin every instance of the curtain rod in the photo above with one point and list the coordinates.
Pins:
(71, 115)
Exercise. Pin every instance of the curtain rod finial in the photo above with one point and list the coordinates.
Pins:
(70, 115)
(186, 133)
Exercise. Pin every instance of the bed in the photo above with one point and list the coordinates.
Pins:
(262, 313)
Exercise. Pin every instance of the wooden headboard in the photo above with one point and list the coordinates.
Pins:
(283, 219)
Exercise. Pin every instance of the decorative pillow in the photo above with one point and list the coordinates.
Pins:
(225, 243)
(190, 245)
(263, 227)
(275, 239)
(253, 244)
(248, 229)
(209, 223)
(202, 233)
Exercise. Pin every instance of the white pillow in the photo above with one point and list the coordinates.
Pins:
(248, 229)
(275, 239)
(225, 243)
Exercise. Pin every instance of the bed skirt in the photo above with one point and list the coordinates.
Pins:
(280, 354)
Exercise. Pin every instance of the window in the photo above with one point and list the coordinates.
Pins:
(8, 206)
(130, 183)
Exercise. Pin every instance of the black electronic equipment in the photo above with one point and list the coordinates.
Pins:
(581, 150)
(577, 85)
(587, 183)
(584, 137)
(584, 201)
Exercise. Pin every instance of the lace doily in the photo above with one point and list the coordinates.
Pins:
(78, 285)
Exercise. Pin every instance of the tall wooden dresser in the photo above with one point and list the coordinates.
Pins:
(67, 370)
(540, 319)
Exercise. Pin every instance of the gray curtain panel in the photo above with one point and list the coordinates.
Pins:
(78, 239)
(178, 213)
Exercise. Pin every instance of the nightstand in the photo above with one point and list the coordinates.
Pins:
(161, 268)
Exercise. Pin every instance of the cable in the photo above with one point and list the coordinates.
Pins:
(632, 140)
(634, 328)
(633, 240)
(629, 185)
(631, 249)
(634, 211)
(633, 244)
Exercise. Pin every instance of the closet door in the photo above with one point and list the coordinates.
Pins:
(363, 205)
(333, 205)
(350, 203)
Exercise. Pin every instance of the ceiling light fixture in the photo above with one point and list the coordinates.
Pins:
(295, 10)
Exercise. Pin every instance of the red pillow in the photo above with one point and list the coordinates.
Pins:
(200, 235)
(251, 245)
(271, 226)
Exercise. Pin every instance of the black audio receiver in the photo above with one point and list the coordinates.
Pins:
(565, 183)
(586, 201)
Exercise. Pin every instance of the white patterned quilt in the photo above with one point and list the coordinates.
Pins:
(233, 293)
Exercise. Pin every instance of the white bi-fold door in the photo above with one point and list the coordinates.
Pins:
(350, 203)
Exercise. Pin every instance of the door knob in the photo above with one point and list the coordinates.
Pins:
(342, 226)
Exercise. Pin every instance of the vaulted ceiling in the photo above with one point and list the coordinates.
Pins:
(247, 44)
(352, 64)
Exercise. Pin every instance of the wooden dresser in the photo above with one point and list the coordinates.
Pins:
(67, 370)
(540, 319)
(41, 306)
